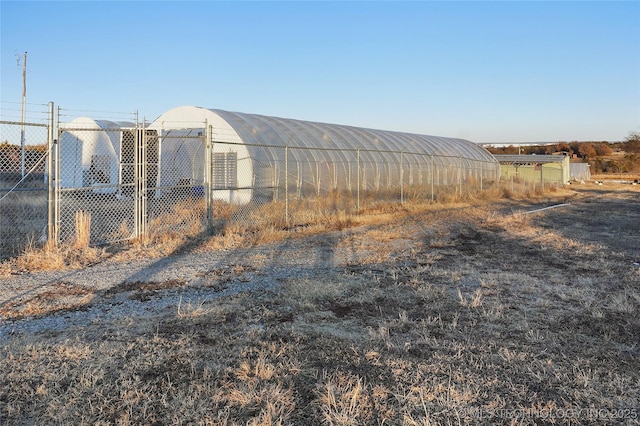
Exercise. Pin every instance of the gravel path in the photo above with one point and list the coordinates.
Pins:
(112, 289)
(107, 290)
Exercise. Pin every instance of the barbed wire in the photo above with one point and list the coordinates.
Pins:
(12, 113)
(68, 112)
(20, 103)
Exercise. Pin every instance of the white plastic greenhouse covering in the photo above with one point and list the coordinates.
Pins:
(327, 152)
(90, 150)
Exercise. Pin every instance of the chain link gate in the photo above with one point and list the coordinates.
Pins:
(95, 184)
(117, 183)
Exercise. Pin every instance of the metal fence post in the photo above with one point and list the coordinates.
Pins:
(56, 176)
(298, 180)
(286, 185)
(318, 178)
(51, 191)
(208, 135)
(401, 180)
(136, 179)
(432, 178)
(460, 175)
(358, 180)
(144, 181)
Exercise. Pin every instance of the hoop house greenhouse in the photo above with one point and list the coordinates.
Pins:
(260, 157)
(90, 150)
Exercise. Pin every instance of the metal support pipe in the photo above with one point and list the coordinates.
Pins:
(56, 176)
(143, 179)
(299, 180)
(401, 180)
(318, 178)
(137, 232)
(432, 179)
(358, 180)
(208, 176)
(286, 185)
(545, 208)
(24, 101)
(460, 175)
(51, 190)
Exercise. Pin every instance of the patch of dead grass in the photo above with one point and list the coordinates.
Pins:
(57, 297)
(513, 320)
(182, 227)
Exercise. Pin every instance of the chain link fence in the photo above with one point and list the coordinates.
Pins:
(109, 181)
(300, 179)
(24, 148)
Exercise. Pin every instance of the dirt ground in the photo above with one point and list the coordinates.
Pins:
(509, 312)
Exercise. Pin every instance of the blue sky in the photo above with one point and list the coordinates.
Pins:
(484, 71)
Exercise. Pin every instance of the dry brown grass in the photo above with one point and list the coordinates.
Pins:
(22, 220)
(58, 296)
(243, 226)
(82, 230)
(615, 176)
(470, 313)
(53, 257)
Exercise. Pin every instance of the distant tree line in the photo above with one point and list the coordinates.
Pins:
(604, 157)
(11, 158)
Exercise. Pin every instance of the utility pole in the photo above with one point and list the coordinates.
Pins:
(24, 101)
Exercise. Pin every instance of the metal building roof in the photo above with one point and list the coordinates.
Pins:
(529, 159)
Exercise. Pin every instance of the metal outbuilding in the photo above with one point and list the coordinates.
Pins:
(536, 168)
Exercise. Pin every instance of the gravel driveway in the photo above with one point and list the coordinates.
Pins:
(143, 287)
